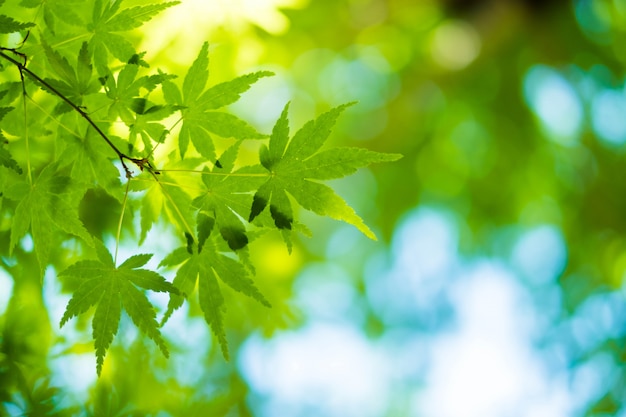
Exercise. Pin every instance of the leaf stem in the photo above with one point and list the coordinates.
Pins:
(119, 224)
(28, 167)
(171, 200)
(55, 119)
(173, 184)
(166, 133)
(219, 174)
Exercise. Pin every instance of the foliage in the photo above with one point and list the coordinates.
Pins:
(111, 287)
(71, 77)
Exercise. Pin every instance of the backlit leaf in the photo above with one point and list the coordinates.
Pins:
(200, 120)
(108, 20)
(208, 268)
(49, 206)
(296, 166)
(110, 288)
(9, 25)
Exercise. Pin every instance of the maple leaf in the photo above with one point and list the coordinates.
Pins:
(163, 194)
(146, 122)
(5, 157)
(64, 10)
(10, 25)
(47, 206)
(227, 197)
(200, 118)
(205, 263)
(107, 21)
(73, 84)
(111, 288)
(124, 89)
(90, 161)
(7, 160)
(295, 166)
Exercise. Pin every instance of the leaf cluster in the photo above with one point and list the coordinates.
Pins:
(177, 163)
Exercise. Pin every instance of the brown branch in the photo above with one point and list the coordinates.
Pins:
(141, 163)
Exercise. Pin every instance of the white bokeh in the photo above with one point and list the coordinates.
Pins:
(556, 104)
(323, 369)
(480, 358)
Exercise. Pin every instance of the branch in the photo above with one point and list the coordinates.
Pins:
(141, 163)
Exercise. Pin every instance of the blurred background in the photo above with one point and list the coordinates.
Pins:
(496, 287)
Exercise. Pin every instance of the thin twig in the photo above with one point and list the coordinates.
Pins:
(141, 163)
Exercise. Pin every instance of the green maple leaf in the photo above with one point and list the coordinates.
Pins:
(48, 206)
(111, 288)
(10, 25)
(7, 160)
(205, 263)
(167, 195)
(90, 161)
(63, 10)
(73, 83)
(200, 117)
(227, 199)
(146, 124)
(296, 166)
(5, 157)
(108, 21)
(124, 90)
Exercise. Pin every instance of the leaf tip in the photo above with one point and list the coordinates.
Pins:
(224, 348)
(258, 205)
(64, 319)
(366, 231)
(390, 157)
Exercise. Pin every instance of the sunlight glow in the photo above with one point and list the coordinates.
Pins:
(486, 365)
(200, 17)
(455, 45)
(326, 370)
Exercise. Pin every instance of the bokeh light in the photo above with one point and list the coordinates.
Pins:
(556, 104)
(608, 108)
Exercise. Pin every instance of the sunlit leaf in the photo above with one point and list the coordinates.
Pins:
(208, 268)
(297, 165)
(50, 205)
(9, 25)
(110, 288)
(201, 121)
